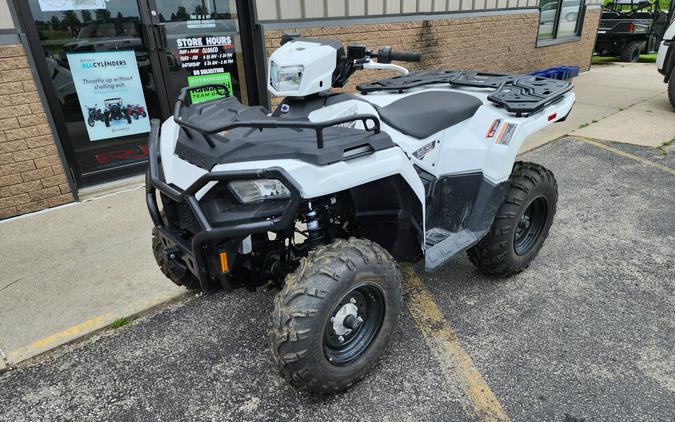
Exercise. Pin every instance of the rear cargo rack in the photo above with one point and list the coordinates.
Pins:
(518, 94)
(216, 116)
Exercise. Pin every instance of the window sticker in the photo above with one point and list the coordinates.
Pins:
(63, 5)
(505, 135)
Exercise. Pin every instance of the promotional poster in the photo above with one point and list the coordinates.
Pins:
(110, 92)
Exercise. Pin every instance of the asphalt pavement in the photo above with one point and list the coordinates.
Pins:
(587, 332)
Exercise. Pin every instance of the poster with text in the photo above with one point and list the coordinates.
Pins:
(209, 60)
(110, 92)
(63, 5)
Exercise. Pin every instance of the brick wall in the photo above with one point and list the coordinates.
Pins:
(503, 43)
(31, 172)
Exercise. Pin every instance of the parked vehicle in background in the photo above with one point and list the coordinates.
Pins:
(95, 114)
(115, 111)
(136, 111)
(665, 59)
(629, 28)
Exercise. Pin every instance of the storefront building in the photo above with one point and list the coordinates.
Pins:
(81, 79)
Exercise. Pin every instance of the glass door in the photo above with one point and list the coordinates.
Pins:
(202, 44)
(96, 66)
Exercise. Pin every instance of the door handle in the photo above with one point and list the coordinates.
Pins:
(160, 36)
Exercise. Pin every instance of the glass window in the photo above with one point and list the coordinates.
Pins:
(569, 16)
(558, 18)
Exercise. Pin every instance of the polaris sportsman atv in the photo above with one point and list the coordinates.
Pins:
(324, 196)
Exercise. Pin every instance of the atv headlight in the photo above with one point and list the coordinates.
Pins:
(249, 191)
(285, 79)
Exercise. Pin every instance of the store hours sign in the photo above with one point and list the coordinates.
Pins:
(208, 60)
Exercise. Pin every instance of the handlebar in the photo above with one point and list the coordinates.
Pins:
(386, 55)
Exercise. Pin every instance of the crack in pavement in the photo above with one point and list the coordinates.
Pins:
(10, 284)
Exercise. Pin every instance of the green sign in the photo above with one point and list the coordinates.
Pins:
(208, 94)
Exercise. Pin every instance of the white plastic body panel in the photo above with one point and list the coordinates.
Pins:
(462, 148)
(318, 60)
(663, 48)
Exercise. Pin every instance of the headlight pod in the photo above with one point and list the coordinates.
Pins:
(258, 190)
(286, 79)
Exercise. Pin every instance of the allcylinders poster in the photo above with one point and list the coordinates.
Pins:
(110, 93)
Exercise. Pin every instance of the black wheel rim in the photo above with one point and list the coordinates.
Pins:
(361, 313)
(530, 226)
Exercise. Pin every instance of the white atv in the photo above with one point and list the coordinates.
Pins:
(323, 197)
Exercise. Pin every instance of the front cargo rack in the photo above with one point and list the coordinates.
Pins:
(519, 94)
(221, 115)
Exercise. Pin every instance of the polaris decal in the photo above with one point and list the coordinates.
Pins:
(505, 135)
(422, 152)
(493, 128)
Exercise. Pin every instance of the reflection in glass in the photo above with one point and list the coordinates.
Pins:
(569, 15)
(549, 10)
(204, 45)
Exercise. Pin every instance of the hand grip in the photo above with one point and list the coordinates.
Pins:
(406, 57)
(386, 55)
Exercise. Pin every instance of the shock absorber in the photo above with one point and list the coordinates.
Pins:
(314, 226)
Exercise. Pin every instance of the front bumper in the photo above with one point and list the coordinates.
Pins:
(194, 251)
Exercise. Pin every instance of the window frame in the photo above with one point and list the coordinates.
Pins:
(555, 39)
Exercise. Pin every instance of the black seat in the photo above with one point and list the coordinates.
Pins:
(421, 115)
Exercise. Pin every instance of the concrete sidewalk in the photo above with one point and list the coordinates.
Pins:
(69, 271)
(617, 102)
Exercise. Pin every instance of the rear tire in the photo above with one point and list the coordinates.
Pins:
(174, 273)
(348, 279)
(630, 53)
(522, 222)
(671, 88)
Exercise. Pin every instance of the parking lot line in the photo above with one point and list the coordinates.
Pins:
(626, 154)
(457, 366)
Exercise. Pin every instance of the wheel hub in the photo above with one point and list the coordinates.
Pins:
(354, 323)
(344, 321)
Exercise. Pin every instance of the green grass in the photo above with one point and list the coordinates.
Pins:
(644, 58)
(121, 322)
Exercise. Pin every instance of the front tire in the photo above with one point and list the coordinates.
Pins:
(522, 222)
(335, 315)
(180, 276)
(671, 88)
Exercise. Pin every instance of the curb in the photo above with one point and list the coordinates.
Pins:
(84, 330)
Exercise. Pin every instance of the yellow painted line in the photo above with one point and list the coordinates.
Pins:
(458, 368)
(87, 327)
(625, 154)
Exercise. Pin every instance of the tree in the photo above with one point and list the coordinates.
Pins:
(102, 14)
(72, 21)
(86, 16)
(182, 14)
(56, 23)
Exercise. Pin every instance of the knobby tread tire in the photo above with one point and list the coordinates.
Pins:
(179, 277)
(671, 88)
(495, 254)
(627, 52)
(303, 306)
